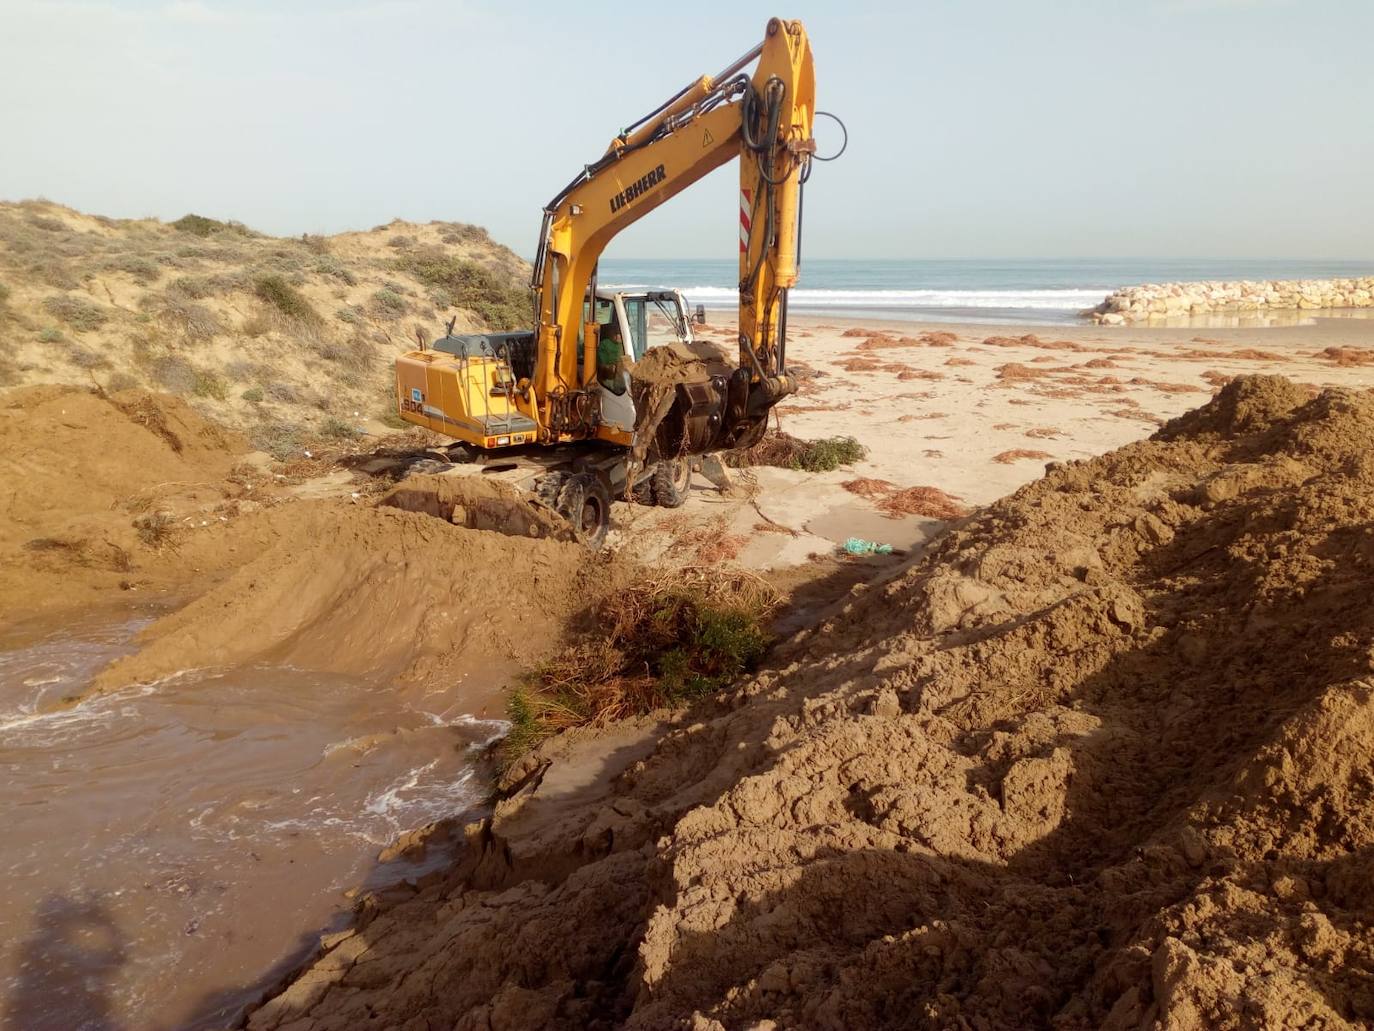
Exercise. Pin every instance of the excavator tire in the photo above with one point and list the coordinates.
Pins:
(585, 503)
(671, 482)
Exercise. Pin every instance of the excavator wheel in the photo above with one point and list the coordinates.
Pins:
(585, 503)
(671, 481)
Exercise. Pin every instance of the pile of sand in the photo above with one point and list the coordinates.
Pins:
(1101, 758)
(85, 470)
(375, 592)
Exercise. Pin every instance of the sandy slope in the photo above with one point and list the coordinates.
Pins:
(124, 303)
(1098, 759)
(975, 412)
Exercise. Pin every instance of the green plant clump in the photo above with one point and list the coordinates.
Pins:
(389, 301)
(82, 315)
(821, 456)
(253, 395)
(277, 292)
(209, 384)
(199, 225)
(661, 642)
(499, 304)
(336, 429)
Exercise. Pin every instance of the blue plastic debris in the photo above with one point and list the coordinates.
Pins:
(859, 546)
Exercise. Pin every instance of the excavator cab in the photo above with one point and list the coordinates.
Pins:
(649, 319)
(646, 320)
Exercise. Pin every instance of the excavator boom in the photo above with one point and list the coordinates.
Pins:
(765, 120)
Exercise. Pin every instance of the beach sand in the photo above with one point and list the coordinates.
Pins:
(975, 411)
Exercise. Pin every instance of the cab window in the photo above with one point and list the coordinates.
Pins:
(605, 312)
(664, 322)
(635, 316)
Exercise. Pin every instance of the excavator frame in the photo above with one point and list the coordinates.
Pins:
(537, 391)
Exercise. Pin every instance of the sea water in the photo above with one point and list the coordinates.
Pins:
(959, 290)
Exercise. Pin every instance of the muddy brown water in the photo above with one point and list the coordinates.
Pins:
(166, 848)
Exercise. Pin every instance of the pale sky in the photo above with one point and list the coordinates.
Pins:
(981, 128)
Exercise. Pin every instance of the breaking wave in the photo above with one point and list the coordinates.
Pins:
(1067, 300)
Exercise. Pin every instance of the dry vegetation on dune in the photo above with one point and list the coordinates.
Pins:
(781, 449)
(662, 640)
(273, 336)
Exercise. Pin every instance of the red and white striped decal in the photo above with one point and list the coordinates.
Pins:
(745, 210)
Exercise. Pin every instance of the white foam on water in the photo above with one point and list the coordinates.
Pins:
(1067, 300)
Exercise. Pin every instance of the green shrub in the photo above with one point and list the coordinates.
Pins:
(830, 453)
(51, 335)
(140, 268)
(788, 452)
(459, 232)
(277, 292)
(496, 302)
(209, 384)
(279, 439)
(658, 642)
(252, 395)
(4, 293)
(195, 287)
(357, 352)
(76, 311)
(389, 303)
(328, 265)
(199, 225)
(337, 429)
(56, 272)
(179, 312)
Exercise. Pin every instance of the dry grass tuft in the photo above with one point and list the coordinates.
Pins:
(1018, 453)
(929, 502)
(1347, 356)
(866, 487)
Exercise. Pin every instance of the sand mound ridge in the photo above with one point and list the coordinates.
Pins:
(119, 445)
(376, 592)
(1098, 759)
(86, 470)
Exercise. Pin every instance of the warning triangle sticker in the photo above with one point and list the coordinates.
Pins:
(706, 138)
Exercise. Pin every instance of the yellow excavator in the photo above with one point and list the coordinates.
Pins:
(539, 407)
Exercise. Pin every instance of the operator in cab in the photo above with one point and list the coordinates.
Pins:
(610, 358)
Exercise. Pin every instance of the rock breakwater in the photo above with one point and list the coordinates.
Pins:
(1170, 300)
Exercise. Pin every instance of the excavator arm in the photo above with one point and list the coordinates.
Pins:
(765, 120)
